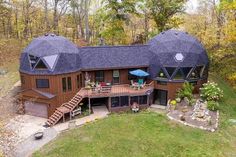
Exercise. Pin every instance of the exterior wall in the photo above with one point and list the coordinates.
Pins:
(55, 87)
(108, 75)
(172, 87)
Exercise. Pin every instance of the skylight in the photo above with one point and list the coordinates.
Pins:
(51, 60)
(179, 57)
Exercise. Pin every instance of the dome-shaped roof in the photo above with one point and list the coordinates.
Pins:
(177, 48)
(50, 44)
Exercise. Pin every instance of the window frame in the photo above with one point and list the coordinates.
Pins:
(99, 78)
(39, 79)
(64, 84)
(113, 77)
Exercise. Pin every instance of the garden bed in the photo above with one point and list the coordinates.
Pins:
(188, 115)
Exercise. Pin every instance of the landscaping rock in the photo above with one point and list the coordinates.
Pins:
(3, 72)
(233, 121)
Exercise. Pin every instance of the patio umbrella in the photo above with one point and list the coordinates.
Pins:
(139, 73)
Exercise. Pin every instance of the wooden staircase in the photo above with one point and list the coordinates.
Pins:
(64, 108)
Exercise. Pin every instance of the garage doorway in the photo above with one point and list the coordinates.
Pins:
(160, 97)
(36, 109)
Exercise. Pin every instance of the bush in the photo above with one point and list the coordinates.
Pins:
(173, 102)
(186, 91)
(211, 92)
(213, 105)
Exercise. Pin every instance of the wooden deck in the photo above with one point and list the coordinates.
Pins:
(117, 90)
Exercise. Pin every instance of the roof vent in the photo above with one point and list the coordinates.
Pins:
(186, 32)
(176, 33)
(162, 32)
(46, 34)
(52, 35)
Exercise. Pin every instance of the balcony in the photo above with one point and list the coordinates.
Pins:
(116, 90)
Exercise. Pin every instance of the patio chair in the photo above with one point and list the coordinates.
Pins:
(132, 83)
(143, 85)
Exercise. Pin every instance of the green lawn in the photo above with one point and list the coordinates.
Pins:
(147, 134)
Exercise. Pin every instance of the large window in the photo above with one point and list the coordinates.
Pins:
(186, 71)
(143, 100)
(115, 101)
(99, 76)
(116, 76)
(120, 101)
(66, 84)
(196, 73)
(170, 70)
(124, 101)
(42, 83)
(133, 99)
(178, 75)
(161, 74)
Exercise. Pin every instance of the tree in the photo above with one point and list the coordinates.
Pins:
(163, 12)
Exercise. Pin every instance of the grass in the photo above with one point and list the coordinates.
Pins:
(148, 134)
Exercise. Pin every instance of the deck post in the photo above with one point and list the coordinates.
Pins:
(129, 101)
(89, 105)
(63, 117)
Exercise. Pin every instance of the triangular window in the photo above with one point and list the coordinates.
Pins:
(170, 70)
(186, 71)
(51, 60)
(40, 65)
(161, 74)
(196, 73)
(178, 75)
(205, 72)
(33, 60)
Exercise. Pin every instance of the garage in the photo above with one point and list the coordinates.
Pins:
(36, 109)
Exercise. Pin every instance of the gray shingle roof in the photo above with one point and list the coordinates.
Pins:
(160, 51)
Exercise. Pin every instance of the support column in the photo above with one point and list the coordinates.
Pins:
(89, 105)
(109, 104)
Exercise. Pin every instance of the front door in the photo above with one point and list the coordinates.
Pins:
(160, 97)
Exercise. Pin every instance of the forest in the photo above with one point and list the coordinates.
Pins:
(120, 22)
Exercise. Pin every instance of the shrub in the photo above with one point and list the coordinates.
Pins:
(211, 92)
(173, 102)
(186, 91)
(178, 100)
(213, 105)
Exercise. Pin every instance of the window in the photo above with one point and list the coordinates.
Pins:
(116, 76)
(133, 99)
(42, 83)
(22, 78)
(186, 71)
(64, 84)
(178, 75)
(205, 72)
(170, 70)
(40, 65)
(33, 60)
(99, 76)
(69, 83)
(143, 99)
(115, 101)
(161, 74)
(196, 73)
(124, 101)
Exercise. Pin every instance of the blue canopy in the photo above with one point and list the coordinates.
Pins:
(139, 73)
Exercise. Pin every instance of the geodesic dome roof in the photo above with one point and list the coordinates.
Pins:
(177, 48)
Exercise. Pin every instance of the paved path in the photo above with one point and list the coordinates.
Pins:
(30, 145)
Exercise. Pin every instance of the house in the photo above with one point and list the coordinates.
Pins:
(57, 76)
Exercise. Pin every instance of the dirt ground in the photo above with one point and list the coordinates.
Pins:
(7, 112)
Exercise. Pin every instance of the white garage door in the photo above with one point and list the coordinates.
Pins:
(36, 109)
